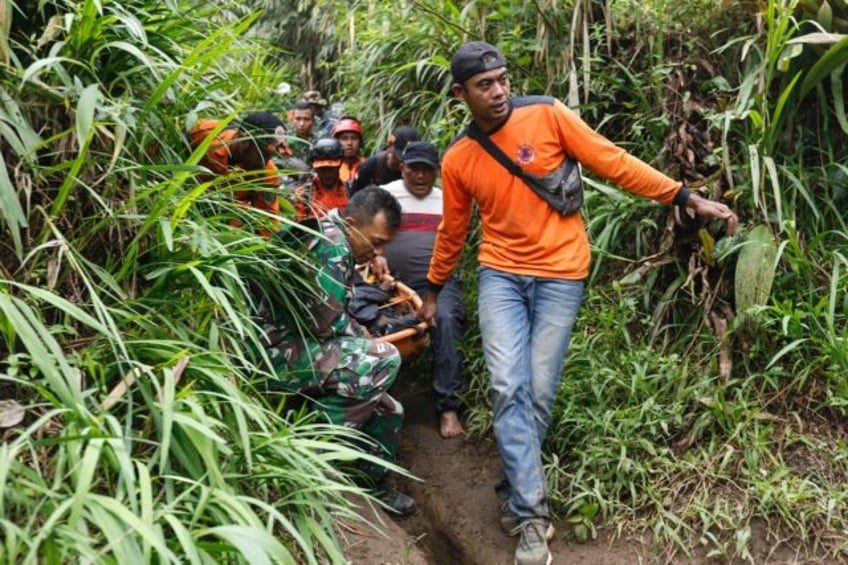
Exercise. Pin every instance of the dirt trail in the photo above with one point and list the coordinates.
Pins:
(458, 510)
(457, 517)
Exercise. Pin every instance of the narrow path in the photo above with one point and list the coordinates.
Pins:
(457, 520)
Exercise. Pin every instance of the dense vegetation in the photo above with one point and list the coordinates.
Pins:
(706, 388)
(137, 427)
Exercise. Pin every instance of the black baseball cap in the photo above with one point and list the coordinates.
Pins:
(475, 57)
(403, 135)
(420, 152)
(263, 123)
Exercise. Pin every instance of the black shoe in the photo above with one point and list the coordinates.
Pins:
(396, 502)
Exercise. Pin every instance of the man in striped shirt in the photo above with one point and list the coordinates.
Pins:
(409, 258)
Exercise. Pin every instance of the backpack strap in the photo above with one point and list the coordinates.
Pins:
(477, 135)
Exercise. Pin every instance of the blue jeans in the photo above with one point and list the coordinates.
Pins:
(448, 380)
(525, 324)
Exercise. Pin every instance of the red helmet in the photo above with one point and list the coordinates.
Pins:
(347, 124)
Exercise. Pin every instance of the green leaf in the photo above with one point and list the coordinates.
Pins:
(132, 524)
(756, 119)
(186, 542)
(589, 510)
(86, 106)
(755, 269)
(167, 233)
(257, 547)
(16, 128)
(84, 478)
(833, 59)
(784, 350)
(774, 177)
(64, 306)
(839, 97)
(166, 406)
(581, 532)
(754, 161)
(708, 243)
(44, 351)
(825, 15)
(103, 516)
(789, 52)
(777, 116)
(131, 49)
(33, 70)
(11, 212)
(57, 518)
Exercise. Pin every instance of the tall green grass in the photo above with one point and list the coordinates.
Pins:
(681, 414)
(128, 328)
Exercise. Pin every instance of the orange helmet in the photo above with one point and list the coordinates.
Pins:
(347, 124)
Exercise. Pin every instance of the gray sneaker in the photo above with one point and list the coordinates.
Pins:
(533, 545)
(511, 522)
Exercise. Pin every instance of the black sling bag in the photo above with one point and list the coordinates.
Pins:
(562, 189)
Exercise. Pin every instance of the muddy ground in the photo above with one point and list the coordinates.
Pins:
(457, 517)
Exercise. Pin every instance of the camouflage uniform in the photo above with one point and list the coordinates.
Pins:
(345, 374)
(300, 147)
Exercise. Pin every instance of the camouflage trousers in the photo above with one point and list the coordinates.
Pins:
(347, 379)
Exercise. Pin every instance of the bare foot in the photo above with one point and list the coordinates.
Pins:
(449, 425)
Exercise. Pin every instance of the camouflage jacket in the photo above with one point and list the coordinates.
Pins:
(326, 310)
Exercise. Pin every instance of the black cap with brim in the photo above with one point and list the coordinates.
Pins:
(475, 57)
(420, 152)
(403, 135)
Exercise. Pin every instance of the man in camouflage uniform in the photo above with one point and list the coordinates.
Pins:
(345, 373)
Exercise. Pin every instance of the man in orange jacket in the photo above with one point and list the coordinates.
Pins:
(326, 190)
(246, 146)
(533, 261)
(348, 131)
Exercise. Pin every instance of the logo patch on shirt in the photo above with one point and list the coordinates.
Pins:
(525, 154)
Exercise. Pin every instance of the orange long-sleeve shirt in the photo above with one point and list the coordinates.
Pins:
(521, 233)
(349, 169)
(217, 160)
(314, 200)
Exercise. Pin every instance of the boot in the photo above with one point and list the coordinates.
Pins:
(396, 502)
